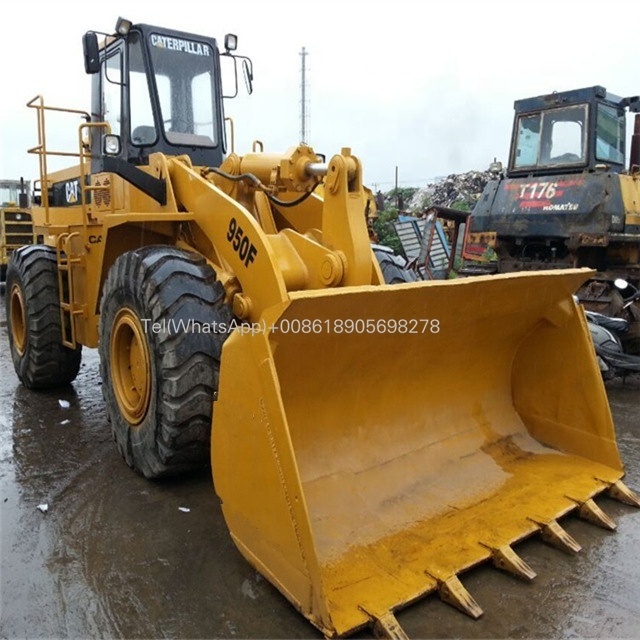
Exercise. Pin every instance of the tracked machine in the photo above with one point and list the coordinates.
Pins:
(369, 443)
(570, 197)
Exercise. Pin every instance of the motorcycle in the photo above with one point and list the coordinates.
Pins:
(607, 334)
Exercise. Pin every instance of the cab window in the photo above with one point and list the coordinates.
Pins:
(143, 130)
(112, 91)
(610, 128)
(551, 138)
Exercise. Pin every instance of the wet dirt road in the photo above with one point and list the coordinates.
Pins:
(118, 556)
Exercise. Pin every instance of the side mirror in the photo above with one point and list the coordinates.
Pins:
(247, 72)
(91, 52)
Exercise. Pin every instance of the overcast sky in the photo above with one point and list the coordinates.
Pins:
(425, 86)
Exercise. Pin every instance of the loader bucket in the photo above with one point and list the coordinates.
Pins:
(361, 469)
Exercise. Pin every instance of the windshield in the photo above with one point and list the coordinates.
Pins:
(610, 133)
(10, 192)
(8, 195)
(551, 138)
(184, 74)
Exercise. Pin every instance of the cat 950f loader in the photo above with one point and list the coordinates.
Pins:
(369, 443)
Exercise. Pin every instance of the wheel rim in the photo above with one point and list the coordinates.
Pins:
(130, 366)
(18, 318)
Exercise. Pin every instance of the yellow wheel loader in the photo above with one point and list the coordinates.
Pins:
(16, 226)
(369, 443)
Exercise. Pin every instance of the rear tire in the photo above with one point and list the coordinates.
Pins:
(158, 379)
(33, 320)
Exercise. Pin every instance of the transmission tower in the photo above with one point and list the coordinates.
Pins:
(304, 115)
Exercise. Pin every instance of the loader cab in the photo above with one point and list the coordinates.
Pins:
(160, 91)
(15, 193)
(568, 132)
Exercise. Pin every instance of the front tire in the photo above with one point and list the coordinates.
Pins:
(34, 324)
(160, 357)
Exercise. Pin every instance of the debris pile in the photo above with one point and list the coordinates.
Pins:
(455, 191)
(460, 191)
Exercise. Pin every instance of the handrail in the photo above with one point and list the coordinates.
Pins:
(232, 132)
(42, 152)
(30, 104)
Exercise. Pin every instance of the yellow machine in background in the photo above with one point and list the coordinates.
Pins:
(369, 442)
(16, 227)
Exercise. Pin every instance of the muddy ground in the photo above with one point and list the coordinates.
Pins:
(118, 556)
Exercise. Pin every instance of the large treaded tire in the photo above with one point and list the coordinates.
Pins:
(33, 320)
(163, 285)
(391, 272)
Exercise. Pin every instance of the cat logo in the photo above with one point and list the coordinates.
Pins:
(71, 191)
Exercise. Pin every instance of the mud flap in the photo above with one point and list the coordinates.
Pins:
(372, 443)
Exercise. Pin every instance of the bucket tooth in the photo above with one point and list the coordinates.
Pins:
(452, 592)
(506, 559)
(591, 512)
(619, 491)
(553, 534)
(386, 626)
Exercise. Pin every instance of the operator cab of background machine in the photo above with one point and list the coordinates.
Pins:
(569, 131)
(160, 91)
